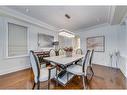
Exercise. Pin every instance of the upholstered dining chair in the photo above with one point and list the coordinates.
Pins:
(51, 54)
(61, 51)
(81, 70)
(79, 51)
(41, 74)
(89, 68)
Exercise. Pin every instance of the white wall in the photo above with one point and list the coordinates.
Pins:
(110, 33)
(122, 46)
(113, 41)
(8, 65)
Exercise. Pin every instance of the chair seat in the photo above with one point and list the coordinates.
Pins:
(44, 74)
(79, 62)
(75, 69)
(52, 63)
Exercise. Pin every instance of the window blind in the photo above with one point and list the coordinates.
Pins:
(17, 40)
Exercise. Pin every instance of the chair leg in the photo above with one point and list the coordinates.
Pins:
(92, 73)
(38, 85)
(56, 84)
(34, 85)
(86, 82)
(49, 84)
(67, 76)
(83, 82)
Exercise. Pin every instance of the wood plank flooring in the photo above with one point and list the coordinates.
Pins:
(104, 78)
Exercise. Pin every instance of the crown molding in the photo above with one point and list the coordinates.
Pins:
(111, 14)
(93, 27)
(124, 20)
(4, 11)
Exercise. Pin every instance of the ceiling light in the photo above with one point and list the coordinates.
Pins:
(66, 34)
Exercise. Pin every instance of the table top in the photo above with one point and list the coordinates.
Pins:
(63, 60)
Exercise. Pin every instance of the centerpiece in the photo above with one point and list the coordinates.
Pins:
(69, 51)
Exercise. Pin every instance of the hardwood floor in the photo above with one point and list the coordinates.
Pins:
(104, 78)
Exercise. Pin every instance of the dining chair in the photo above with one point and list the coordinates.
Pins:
(80, 70)
(90, 67)
(41, 74)
(79, 51)
(61, 51)
(51, 54)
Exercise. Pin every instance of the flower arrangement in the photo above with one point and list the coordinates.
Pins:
(68, 51)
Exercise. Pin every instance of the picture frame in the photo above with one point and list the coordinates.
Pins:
(45, 41)
(97, 43)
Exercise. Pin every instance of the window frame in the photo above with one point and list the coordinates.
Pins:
(7, 36)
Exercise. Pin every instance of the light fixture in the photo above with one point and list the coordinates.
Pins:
(55, 43)
(67, 16)
(66, 33)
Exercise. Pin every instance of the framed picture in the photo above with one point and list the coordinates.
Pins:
(97, 43)
(45, 41)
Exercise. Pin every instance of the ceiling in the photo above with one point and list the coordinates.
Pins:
(81, 16)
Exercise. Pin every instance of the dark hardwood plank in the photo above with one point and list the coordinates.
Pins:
(104, 78)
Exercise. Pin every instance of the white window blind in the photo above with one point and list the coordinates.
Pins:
(17, 40)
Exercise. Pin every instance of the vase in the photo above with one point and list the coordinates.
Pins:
(68, 53)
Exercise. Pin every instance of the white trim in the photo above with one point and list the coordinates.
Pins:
(8, 57)
(15, 14)
(28, 39)
(111, 14)
(124, 71)
(124, 19)
(13, 70)
(92, 27)
(125, 75)
(6, 28)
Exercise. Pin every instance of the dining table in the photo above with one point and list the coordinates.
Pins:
(63, 62)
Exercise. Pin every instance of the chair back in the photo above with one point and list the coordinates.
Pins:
(35, 66)
(79, 51)
(86, 61)
(61, 52)
(91, 57)
(52, 52)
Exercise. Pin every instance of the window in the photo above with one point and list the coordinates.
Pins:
(17, 40)
(77, 42)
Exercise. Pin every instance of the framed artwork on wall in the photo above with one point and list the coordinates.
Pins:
(45, 41)
(97, 43)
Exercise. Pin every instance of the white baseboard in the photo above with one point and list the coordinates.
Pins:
(124, 73)
(123, 62)
(13, 70)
